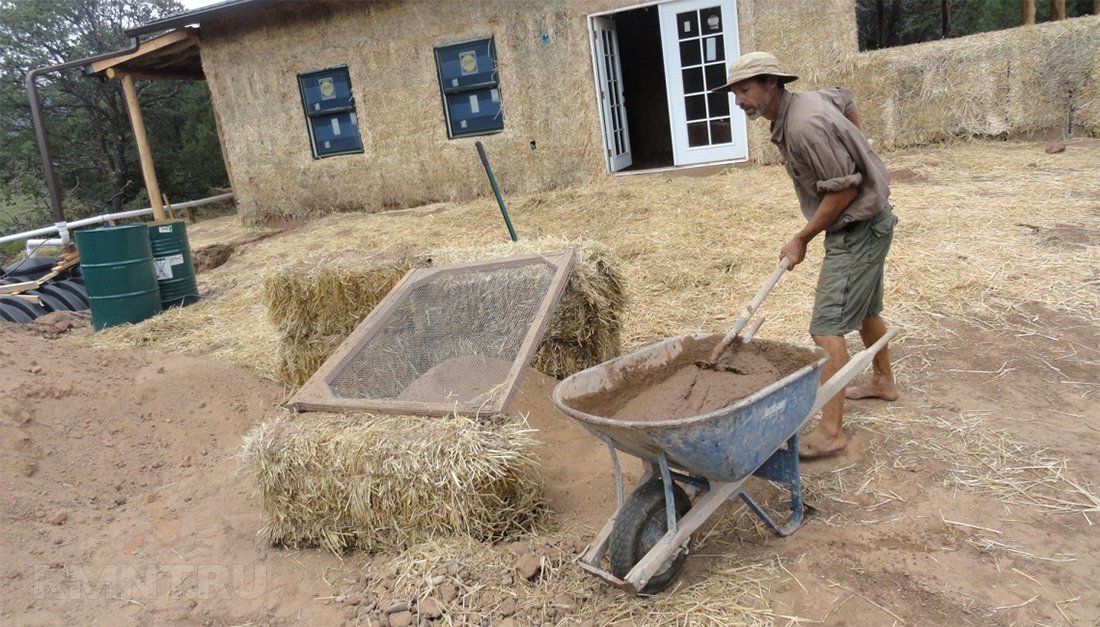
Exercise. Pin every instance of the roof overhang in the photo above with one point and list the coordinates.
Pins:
(198, 16)
(174, 55)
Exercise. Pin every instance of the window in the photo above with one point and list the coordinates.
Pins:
(330, 112)
(470, 87)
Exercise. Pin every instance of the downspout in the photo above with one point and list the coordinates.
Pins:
(40, 131)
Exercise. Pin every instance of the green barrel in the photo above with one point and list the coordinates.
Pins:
(117, 264)
(172, 262)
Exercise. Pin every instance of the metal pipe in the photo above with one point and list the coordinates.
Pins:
(65, 227)
(40, 130)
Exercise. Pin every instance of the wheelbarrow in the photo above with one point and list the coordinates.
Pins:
(715, 453)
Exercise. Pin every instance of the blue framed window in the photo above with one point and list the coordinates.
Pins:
(330, 112)
(470, 87)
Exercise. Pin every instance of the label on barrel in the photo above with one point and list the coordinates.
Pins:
(162, 268)
(165, 229)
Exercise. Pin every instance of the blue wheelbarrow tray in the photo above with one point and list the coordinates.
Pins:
(714, 452)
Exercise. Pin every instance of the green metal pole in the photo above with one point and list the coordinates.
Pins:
(496, 190)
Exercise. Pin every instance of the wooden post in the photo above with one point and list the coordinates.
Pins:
(146, 155)
(1057, 10)
(1027, 11)
(945, 14)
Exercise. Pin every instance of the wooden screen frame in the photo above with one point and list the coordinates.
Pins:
(316, 395)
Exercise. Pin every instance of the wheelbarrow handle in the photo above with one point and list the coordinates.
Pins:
(750, 309)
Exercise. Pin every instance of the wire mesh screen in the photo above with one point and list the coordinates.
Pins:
(452, 339)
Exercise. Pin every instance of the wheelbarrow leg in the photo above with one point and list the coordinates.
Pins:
(782, 467)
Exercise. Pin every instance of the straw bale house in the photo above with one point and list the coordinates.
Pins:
(368, 105)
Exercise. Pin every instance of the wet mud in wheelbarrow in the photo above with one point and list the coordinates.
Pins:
(680, 388)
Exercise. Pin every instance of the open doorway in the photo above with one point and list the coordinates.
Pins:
(644, 88)
(655, 67)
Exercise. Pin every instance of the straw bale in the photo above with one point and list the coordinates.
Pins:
(1009, 82)
(387, 482)
(329, 293)
(299, 357)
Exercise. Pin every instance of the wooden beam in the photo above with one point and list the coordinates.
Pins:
(145, 48)
(1057, 10)
(15, 288)
(1027, 11)
(173, 75)
(147, 170)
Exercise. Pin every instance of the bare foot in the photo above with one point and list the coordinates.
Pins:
(871, 390)
(817, 444)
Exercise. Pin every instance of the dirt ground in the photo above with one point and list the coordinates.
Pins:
(971, 500)
(121, 502)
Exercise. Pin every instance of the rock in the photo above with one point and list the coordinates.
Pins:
(429, 608)
(438, 579)
(58, 518)
(1055, 148)
(448, 592)
(507, 622)
(508, 607)
(529, 566)
(353, 599)
(397, 606)
(401, 619)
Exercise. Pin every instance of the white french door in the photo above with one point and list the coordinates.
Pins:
(700, 39)
(610, 84)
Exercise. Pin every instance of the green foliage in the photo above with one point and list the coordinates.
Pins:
(914, 21)
(86, 120)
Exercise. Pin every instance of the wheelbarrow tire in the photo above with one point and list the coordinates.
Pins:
(640, 525)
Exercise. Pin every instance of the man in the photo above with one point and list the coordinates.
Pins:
(842, 187)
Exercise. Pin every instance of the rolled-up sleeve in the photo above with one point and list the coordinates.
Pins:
(833, 168)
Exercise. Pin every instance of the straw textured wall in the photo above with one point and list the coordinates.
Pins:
(1017, 80)
(1003, 83)
(252, 66)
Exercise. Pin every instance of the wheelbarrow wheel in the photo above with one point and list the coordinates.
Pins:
(640, 525)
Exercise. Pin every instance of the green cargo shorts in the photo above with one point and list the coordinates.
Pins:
(849, 288)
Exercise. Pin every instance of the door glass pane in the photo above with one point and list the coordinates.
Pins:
(693, 80)
(719, 104)
(711, 20)
(689, 53)
(720, 131)
(697, 134)
(687, 24)
(716, 75)
(696, 107)
(713, 49)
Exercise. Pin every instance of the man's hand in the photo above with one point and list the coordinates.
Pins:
(794, 251)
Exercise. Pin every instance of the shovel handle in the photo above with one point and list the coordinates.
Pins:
(750, 309)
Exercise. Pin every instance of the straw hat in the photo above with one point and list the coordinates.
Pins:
(754, 64)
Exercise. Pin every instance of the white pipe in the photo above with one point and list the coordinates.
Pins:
(63, 228)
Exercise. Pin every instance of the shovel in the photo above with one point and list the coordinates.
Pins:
(743, 319)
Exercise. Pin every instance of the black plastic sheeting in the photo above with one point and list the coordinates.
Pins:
(65, 292)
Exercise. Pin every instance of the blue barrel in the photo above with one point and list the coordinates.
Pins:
(172, 263)
(117, 264)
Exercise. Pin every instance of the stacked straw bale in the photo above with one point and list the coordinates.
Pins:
(317, 302)
(1000, 84)
(377, 482)
(586, 328)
